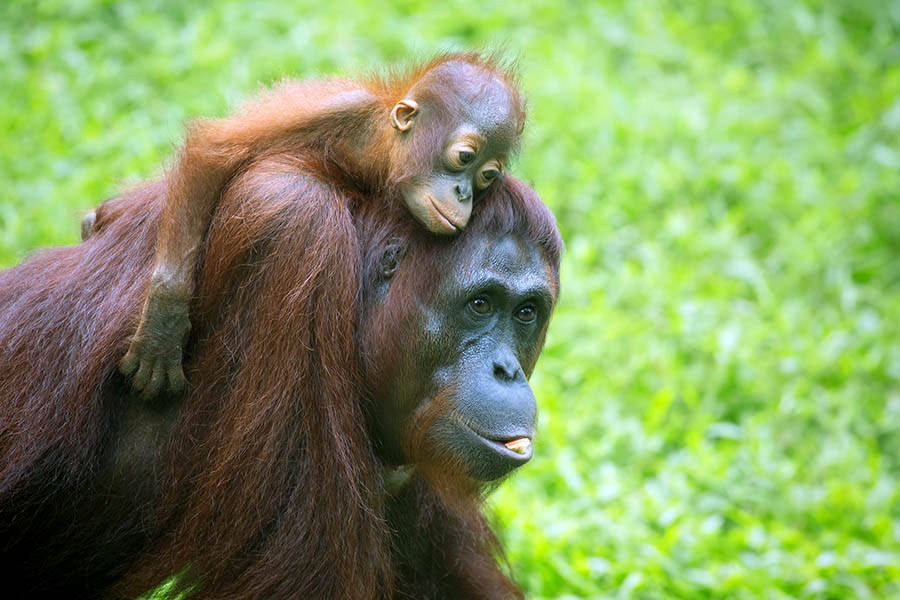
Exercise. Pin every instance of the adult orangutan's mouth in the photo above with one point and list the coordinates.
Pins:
(517, 448)
(520, 445)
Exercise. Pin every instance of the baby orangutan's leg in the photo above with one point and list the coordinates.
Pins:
(155, 352)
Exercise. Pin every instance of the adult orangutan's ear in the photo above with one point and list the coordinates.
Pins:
(390, 259)
(403, 113)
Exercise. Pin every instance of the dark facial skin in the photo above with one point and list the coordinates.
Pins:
(461, 381)
(473, 154)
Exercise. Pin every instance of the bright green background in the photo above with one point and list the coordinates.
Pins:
(720, 393)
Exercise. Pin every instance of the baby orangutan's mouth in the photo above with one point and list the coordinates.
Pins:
(443, 219)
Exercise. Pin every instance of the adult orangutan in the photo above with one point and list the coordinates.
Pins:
(346, 403)
(432, 139)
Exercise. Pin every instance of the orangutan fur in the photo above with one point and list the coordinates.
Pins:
(262, 480)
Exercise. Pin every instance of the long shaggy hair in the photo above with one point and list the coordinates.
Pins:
(263, 480)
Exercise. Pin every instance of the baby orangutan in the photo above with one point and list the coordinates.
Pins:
(432, 140)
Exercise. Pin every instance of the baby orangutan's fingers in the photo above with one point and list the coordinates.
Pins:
(176, 378)
(142, 377)
(156, 380)
(129, 363)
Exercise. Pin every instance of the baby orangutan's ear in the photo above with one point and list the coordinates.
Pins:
(403, 113)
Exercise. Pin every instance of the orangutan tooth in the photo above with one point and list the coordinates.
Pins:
(519, 446)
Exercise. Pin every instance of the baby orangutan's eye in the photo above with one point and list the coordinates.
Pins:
(460, 155)
(488, 173)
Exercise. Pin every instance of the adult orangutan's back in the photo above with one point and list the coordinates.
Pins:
(103, 492)
(61, 304)
(60, 310)
(65, 315)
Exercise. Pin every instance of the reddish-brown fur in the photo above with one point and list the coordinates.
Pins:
(337, 129)
(263, 481)
(323, 118)
(297, 117)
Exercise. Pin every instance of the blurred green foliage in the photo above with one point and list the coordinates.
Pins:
(720, 392)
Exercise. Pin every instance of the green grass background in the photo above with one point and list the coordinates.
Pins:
(720, 392)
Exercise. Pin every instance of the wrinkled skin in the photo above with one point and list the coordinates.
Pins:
(459, 388)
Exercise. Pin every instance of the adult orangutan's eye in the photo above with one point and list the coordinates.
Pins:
(526, 314)
(481, 305)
